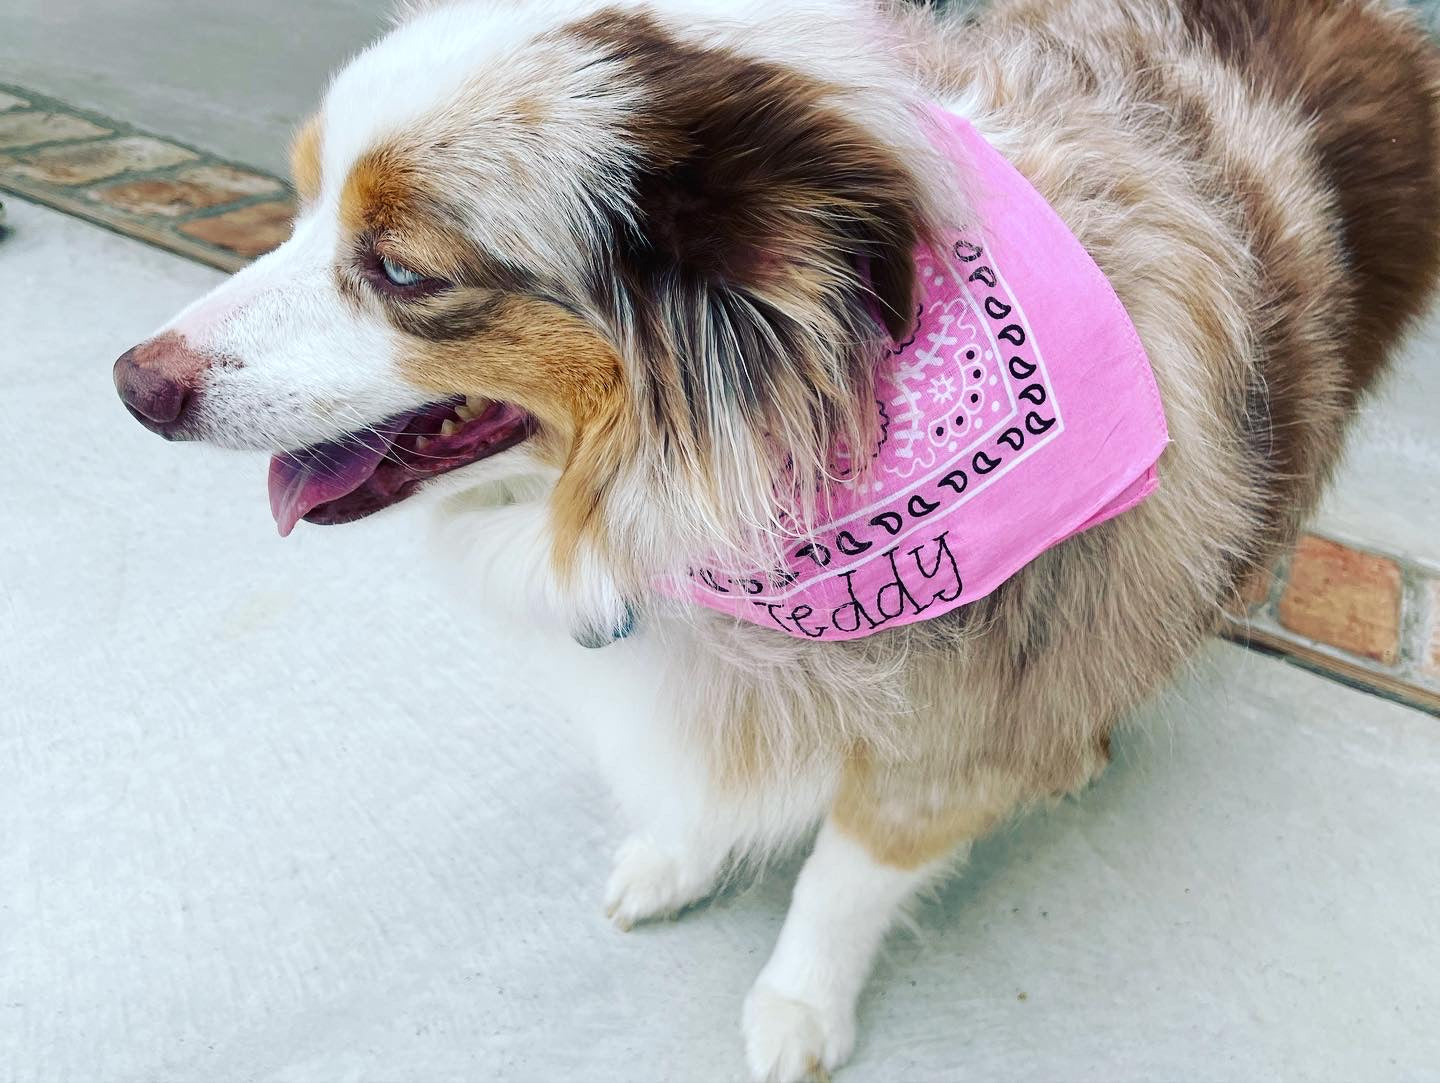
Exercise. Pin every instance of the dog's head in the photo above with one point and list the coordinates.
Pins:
(645, 256)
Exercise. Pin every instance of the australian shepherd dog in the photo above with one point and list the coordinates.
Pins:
(616, 288)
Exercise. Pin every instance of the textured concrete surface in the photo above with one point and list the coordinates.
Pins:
(234, 78)
(272, 811)
(1390, 491)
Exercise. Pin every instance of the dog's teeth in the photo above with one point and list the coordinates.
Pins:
(448, 428)
(464, 411)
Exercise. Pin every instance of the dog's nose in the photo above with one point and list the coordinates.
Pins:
(157, 381)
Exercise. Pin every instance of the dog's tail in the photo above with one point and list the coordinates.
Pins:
(1371, 81)
(1367, 75)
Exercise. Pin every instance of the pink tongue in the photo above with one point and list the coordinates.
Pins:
(305, 479)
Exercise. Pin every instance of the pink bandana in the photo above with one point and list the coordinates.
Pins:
(1022, 411)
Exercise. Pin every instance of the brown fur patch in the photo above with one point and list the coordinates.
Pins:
(748, 167)
(905, 825)
(383, 191)
(1333, 300)
(549, 363)
(490, 334)
(774, 228)
(1368, 80)
(529, 353)
(388, 204)
(530, 112)
(305, 159)
(487, 334)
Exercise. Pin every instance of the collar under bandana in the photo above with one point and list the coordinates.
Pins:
(1022, 411)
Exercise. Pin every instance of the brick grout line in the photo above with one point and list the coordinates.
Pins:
(1357, 614)
(1412, 621)
(1427, 568)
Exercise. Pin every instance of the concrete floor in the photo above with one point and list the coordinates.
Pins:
(1395, 448)
(234, 78)
(272, 811)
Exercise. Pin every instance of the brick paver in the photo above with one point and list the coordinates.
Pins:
(250, 231)
(186, 192)
(28, 128)
(81, 163)
(1345, 598)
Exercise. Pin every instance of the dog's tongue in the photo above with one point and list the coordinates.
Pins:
(305, 479)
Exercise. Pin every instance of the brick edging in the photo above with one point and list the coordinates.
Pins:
(1359, 615)
(160, 191)
(1356, 615)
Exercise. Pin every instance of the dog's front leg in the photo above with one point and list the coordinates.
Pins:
(800, 1015)
(680, 833)
(882, 842)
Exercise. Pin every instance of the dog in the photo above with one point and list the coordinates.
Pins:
(614, 285)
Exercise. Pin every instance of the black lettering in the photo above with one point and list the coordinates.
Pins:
(799, 614)
(709, 579)
(770, 608)
(944, 560)
(840, 618)
(901, 593)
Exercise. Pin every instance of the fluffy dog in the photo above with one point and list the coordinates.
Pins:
(609, 281)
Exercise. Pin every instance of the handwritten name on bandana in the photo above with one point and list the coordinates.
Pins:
(1021, 412)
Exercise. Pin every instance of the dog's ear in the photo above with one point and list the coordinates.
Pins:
(767, 258)
(755, 183)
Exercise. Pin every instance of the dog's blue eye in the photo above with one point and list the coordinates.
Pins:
(400, 275)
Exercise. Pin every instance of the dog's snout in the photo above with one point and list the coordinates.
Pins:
(152, 393)
(157, 381)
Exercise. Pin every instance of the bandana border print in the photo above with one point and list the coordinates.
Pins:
(1007, 359)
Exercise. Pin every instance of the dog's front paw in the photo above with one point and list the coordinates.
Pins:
(788, 1040)
(650, 882)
